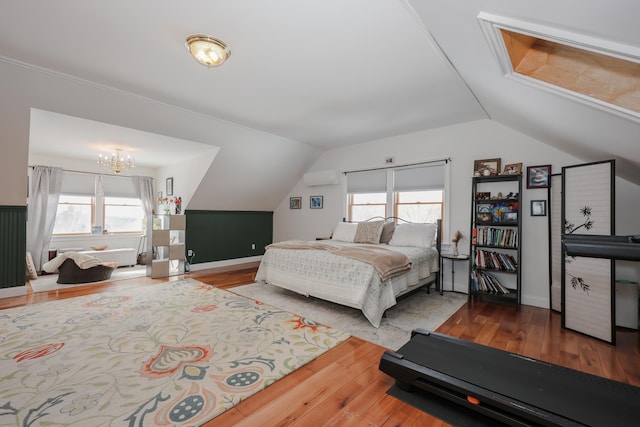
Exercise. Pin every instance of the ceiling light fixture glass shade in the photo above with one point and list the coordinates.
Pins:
(116, 162)
(207, 50)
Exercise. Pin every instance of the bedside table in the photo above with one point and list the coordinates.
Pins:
(453, 259)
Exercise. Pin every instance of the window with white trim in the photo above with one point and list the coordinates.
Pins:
(106, 201)
(74, 214)
(415, 193)
(122, 214)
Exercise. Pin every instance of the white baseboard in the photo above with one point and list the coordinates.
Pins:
(225, 263)
(536, 301)
(16, 291)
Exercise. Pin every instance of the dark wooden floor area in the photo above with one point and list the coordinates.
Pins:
(345, 387)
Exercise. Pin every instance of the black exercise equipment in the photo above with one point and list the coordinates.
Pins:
(503, 387)
(598, 246)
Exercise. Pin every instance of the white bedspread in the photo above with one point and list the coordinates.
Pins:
(342, 280)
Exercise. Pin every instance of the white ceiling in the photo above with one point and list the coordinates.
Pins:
(328, 73)
(59, 135)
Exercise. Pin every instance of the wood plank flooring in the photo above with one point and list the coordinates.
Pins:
(344, 386)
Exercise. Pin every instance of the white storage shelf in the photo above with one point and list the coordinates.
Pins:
(166, 247)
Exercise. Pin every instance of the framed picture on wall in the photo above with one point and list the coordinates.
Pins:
(169, 188)
(538, 176)
(316, 202)
(538, 208)
(295, 202)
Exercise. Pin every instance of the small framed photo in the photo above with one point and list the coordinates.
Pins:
(512, 169)
(486, 167)
(484, 217)
(483, 195)
(484, 207)
(538, 176)
(316, 202)
(509, 217)
(169, 189)
(96, 229)
(538, 208)
(295, 202)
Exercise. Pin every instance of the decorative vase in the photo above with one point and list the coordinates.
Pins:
(167, 211)
(455, 250)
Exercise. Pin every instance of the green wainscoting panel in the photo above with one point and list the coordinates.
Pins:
(13, 246)
(222, 235)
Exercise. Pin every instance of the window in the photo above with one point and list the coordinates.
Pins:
(599, 72)
(415, 193)
(74, 214)
(106, 201)
(363, 206)
(122, 214)
(420, 206)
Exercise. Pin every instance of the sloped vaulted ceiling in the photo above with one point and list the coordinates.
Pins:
(312, 74)
(587, 132)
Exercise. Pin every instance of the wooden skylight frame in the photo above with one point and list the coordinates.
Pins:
(597, 72)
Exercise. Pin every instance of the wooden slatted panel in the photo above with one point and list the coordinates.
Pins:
(13, 245)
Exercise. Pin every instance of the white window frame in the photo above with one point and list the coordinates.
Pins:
(446, 219)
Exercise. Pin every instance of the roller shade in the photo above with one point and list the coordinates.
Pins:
(84, 184)
(373, 181)
(118, 186)
(77, 184)
(416, 178)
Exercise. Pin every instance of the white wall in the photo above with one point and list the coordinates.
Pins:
(187, 176)
(464, 144)
(252, 171)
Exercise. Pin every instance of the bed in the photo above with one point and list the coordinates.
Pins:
(328, 269)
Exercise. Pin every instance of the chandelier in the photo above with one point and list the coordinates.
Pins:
(117, 163)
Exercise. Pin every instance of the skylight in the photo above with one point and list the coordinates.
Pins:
(596, 71)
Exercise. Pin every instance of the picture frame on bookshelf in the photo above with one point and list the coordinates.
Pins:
(486, 167)
(484, 207)
(484, 217)
(538, 208)
(483, 195)
(512, 169)
(509, 217)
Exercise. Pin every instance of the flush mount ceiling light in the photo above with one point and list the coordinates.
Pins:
(207, 50)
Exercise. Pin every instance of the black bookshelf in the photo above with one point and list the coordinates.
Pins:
(496, 233)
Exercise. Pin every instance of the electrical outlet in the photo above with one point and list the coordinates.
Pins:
(253, 246)
(189, 252)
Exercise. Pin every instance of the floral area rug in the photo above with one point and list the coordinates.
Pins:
(173, 354)
(418, 310)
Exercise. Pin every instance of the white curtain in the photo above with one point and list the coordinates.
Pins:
(44, 194)
(144, 191)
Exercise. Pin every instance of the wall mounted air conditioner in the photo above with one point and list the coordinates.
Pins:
(328, 177)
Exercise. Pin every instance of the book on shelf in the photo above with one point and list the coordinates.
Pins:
(481, 281)
(494, 236)
(495, 261)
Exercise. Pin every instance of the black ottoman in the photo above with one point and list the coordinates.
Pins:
(69, 273)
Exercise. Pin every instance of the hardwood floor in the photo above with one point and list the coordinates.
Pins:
(345, 387)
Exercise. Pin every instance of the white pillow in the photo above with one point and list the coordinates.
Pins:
(345, 232)
(419, 235)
